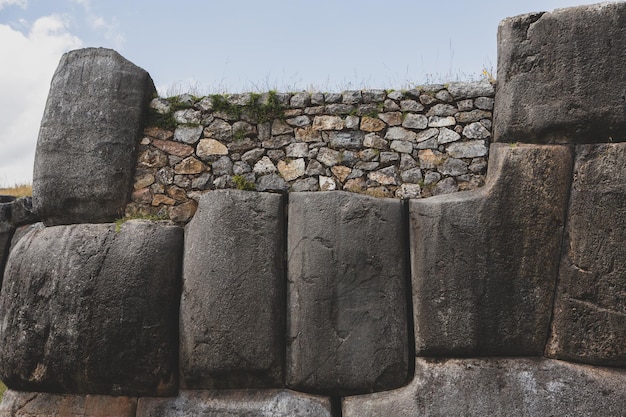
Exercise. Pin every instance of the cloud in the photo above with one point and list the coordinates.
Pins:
(6, 3)
(109, 28)
(29, 60)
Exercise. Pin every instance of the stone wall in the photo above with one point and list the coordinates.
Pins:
(426, 141)
(503, 300)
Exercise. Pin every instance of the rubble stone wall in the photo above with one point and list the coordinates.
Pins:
(426, 141)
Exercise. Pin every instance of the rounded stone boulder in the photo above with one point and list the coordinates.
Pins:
(85, 154)
(88, 309)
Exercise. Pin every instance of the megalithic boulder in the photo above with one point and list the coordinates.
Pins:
(347, 326)
(20, 403)
(499, 387)
(589, 321)
(232, 311)
(485, 263)
(562, 76)
(85, 154)
(227, 403)
(88, 309)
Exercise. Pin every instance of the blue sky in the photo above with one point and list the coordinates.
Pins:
(242, 45)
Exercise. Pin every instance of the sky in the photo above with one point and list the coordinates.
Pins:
(229, 46)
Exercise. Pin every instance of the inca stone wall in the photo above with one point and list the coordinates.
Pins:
(503, 300)
(426, 141)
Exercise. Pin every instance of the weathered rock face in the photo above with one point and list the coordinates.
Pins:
(231, 403)
(553, 91)
(86, 309)
(589, 323)
(347, 323)
(485, 263)
(233, 302)
(498, 387)
(33, 404)
(22, 231)
(6, 233)
(22, 212)
(85, 156)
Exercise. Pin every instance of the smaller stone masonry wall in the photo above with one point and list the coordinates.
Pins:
(406, 144)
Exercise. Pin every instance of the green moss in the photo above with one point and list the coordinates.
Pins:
(243, 184)
(372, 113)
(176, 104)
(164, 121)
(254, 109)
(238, 135)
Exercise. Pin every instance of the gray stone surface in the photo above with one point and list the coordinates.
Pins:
(347, 140)
(6, 233)
(464, 90)
(22, 212)
(233, 302)
(553, 91)
(22, 231)
(86, 309)
(498, 388)
(233, 403)
(589, 322)
(347, 323)
(272, 182)
(484, 263)
(33, 404)
(85, 154)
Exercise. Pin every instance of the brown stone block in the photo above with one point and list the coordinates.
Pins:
(33, 404)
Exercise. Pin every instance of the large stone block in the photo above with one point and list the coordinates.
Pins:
(6, 234)
(498, 387)
(22, 212)
(562, 76)
(485, 262)
(87, 309)
(85, 155)
(347, 277)
(231, 403)
(589, 323)
(233, 302)
(33, 404)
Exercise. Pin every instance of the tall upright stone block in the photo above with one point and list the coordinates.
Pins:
(233, 301)
(86, 309)
(562, 76)
(589, 323)
(85, 155)
(485, 263)
(347, 323)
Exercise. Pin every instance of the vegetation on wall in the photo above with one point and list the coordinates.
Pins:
(259, 108)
